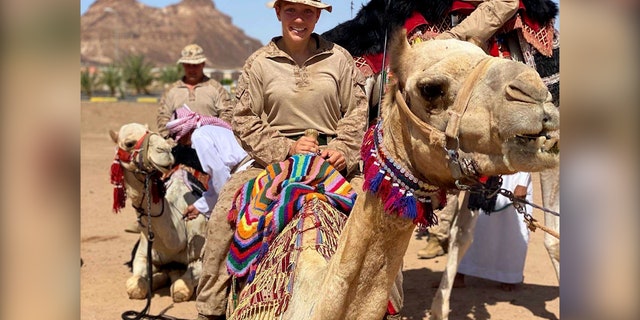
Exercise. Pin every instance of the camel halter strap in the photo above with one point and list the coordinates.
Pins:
(140, 150)
(145, 168)
(463, 97)
(460, 167)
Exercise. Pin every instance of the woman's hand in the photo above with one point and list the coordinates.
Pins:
(304, 145)
(336, 158)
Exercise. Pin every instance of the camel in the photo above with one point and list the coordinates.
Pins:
(453, 113)
(142, 157)
(521, 37)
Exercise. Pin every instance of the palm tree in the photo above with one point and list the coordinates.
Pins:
(171, 74)
(137, 73)
(88, 81)
(112, 78)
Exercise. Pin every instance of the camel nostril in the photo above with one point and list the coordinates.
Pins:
(525, 88)
(517, 91)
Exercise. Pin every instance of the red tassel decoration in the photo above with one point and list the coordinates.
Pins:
(119, 192)
(380, 180)
(421, 220)
(390, 194)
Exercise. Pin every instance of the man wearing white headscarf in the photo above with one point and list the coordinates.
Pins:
(218, 152)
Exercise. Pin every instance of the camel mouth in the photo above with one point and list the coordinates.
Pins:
(164, 165)
(542, 142)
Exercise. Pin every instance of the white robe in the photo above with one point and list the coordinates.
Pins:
(500, 240)
(218, 152)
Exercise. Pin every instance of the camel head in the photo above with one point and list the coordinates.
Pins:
(496, 112)
(133, 140)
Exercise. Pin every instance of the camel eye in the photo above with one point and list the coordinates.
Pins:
(431, 92)
(130, 144)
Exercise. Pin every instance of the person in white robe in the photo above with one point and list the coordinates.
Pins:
(219, 153)
(501, 237)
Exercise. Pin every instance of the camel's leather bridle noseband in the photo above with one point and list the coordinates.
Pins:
(461, 168)
(139, 151)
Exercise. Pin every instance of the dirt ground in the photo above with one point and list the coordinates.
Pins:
(105, 247)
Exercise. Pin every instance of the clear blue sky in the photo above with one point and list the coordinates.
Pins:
(260, 22)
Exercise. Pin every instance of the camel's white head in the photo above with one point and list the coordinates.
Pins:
(139, 149)
(507, 122)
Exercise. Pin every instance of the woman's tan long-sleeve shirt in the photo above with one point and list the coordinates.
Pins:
(278, 100)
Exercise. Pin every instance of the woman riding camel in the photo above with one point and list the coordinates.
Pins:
(297, 81)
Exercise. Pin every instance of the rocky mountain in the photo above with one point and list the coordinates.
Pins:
(113, 29)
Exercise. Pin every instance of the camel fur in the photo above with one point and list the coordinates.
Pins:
(504, 130)
(176, 241)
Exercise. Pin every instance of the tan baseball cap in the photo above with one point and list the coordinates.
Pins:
(192, 54)
(313, 3)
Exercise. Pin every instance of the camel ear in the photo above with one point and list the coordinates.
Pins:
(113, 135)
(399, 49)
(146, 126)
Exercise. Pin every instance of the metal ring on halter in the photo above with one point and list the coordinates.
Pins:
(457, 144)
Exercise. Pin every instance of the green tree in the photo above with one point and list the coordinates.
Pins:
(137, 73)
(171, 74)
(88, 81)
(111, 76)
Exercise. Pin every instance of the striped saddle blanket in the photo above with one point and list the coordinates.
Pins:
(267, 203)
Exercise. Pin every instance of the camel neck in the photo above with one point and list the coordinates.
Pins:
(363, 268)
(403, 194)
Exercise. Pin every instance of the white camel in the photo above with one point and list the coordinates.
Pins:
(493, 115)
(143, 157)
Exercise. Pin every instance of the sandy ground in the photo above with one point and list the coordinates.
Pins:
(105, 247)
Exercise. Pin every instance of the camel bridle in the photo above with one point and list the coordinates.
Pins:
(139, 152)
(466, 168)
(145, 172)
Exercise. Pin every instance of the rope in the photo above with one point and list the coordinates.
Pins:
(511, 197)
(535, 224)
(528, 218)
(383, 73)
(138, 208)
